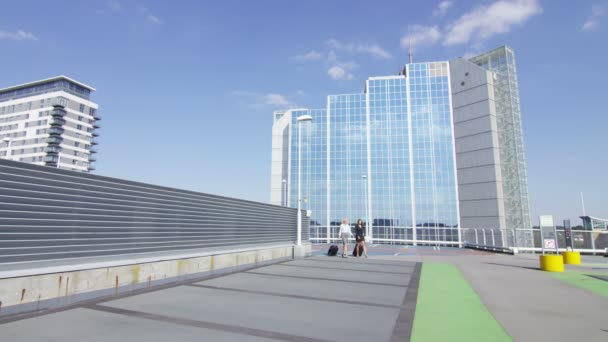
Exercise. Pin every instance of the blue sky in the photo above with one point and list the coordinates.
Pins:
(186, 89)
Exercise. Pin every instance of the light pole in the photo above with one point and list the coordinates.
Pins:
(300, 119)
(284, 182)
(8, 142)
(364, 178)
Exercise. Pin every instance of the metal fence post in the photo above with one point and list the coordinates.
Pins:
(514, 239)
(502, 238)
(483, 231)
(476, 238)
(493, 241)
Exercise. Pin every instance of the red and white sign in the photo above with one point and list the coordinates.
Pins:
(549, 243)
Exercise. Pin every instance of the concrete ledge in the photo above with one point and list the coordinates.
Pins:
(48, 289)
(302, 251)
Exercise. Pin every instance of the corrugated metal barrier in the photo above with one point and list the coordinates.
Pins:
(48, 213)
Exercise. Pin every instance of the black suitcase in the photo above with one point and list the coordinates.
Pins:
(360, 251)
(333, 250)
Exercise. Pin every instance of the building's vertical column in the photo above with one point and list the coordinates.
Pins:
(328, 144)
(459, 232)
(370, 188)
(411, 155)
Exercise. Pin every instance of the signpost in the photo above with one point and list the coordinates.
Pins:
(548, 234)
(568, 234)
(548, 237)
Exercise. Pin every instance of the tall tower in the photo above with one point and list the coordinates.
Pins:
(501, 62)
(492, 170)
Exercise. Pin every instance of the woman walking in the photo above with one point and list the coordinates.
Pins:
(345, 233)
(360, 238)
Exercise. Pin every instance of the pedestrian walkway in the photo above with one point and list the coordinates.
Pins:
(400, 293)
(315, 299)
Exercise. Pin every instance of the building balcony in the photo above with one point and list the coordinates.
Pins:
(56, 131)
(92, 158)
(54, 140)
(91, 167)
(93, 149)
(95, 134)
(57, 121)
(51, 159)
(94, 142)
(60, 101)
(52, 149)
(96, 124)
(58, 112)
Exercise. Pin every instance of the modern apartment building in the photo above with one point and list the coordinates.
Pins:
(418, 155)
(49, 122)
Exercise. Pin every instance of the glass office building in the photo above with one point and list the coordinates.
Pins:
(421, 156)
(385, 156)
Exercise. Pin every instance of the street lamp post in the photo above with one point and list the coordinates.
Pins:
(367, 218)
(284, 182)
(300, 119)
(8, 142)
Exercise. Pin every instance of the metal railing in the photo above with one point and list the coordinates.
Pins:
(529, 240)
(49, 214)
(501, 240)
(442, 236)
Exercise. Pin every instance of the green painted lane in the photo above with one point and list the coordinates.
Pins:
(448, 309)
(583, 281)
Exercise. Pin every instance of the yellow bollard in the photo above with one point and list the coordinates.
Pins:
(572, 258)
(552, 263)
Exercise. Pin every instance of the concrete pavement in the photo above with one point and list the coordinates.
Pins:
(333, 299)
(316, 299)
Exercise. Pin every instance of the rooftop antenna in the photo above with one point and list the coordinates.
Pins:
(583, 203)
(409, 37)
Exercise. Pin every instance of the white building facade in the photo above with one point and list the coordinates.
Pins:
(50, 122)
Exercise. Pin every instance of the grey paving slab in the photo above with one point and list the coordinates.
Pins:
(532, 305)
(361, 265)
(372, 260)
(296, 317)
(323, 289)
(95, 326)
(335, 274)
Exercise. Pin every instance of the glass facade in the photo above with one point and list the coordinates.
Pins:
(385, 156)
(46, 87)
(501, 62)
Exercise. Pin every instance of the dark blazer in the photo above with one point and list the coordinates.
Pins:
(359, 233)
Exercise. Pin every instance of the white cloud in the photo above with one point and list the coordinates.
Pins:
(153, 19)
(264, 100)
(309, 56)
(485, 21)
(147, 14)
(373, 50)
(442, 8)
(276, 100)
(589, 24)
(339, 73)
(19, 35)
(597, 11)
(421, 35)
